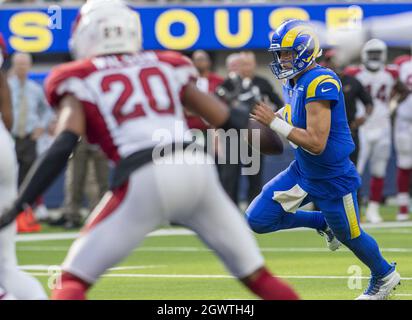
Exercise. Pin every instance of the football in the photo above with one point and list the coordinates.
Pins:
(270, 142)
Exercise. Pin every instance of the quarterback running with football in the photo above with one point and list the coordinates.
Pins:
(314, 121)
(14, 283)
(120, 97)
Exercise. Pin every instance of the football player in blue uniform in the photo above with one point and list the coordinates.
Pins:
(314, 122)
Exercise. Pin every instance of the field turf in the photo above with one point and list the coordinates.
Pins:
(181, 267)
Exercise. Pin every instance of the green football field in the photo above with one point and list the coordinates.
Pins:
(179, 266)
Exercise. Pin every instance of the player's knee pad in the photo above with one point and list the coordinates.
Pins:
(380, 158)
(378, 167)
(403, 147)
(264, 215)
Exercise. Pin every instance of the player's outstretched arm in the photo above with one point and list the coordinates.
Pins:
(314, 138)
(70, 126)
(5, 102)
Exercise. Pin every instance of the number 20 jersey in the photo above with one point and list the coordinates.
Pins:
(131, 102)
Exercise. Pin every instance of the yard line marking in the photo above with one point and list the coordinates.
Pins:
(389, 224)
(187, 232)
(213, 276)
(43, 248)
(395, 231)
(42, 267)
(402, 294)
(46, 236)
(74, 235)
(200, 249)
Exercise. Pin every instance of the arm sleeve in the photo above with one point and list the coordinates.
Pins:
(363, 94)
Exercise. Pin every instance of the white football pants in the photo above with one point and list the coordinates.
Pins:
(156, 194)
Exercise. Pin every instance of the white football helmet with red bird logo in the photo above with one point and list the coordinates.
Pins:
(105, 27)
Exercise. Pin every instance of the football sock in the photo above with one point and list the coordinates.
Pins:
(376, 189)
(367, 250)
(403, 179)
(72, 288)
(269, 287)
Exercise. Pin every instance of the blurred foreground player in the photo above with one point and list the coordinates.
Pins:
(315, 123)
(14, 284)
(375, 134)
(119, 98)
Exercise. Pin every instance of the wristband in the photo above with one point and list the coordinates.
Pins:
(281, 127)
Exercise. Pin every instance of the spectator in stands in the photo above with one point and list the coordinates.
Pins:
(32, 114)
(30, 111)
(80, 180)
(233, 62)
(242, 89)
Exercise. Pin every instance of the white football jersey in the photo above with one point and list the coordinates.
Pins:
(403, 122)
(131, 102)
(379, 85)
(405, 74)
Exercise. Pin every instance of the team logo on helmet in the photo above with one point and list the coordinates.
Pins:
(294, 46)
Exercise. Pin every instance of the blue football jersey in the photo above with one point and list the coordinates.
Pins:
(331, 172)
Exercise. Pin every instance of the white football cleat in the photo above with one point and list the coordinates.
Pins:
(402, 217)
(41, 212)
(372, 213)
(332, 242)
(381, 288)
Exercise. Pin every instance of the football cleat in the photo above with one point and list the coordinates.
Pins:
(372, 213)
(380, 288)
(332, 242)
(402, 217)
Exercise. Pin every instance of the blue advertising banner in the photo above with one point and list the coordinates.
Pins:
(187, 28)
